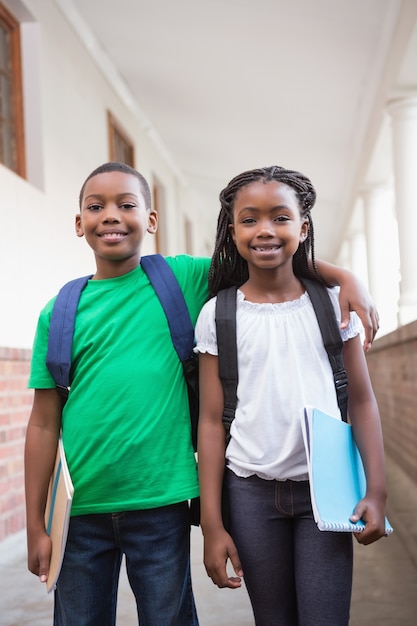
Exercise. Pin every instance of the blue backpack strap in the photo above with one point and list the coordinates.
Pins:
(61, 331)
(172, 300)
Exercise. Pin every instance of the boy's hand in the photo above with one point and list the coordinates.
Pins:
(39, 557)
(354, 297)
(218, 548)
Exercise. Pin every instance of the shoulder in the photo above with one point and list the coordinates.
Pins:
(205, 330)
(183, 264)
(354, 327)
(192, 275)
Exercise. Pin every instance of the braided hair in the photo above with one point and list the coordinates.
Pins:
(227, 267)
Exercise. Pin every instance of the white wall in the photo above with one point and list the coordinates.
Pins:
(40, 250)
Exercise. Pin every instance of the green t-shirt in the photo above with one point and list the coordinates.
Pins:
(126, 424)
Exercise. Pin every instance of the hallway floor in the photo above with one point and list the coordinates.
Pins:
(384, 590)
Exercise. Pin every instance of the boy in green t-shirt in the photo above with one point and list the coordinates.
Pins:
(125, 426)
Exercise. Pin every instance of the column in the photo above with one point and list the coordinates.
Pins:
(403, 112)
(381, 233)
(357, 255)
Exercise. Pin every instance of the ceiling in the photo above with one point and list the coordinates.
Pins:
(229, 85)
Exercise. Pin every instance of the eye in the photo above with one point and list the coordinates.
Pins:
(248, 220)
(282, 218)
(94, 207)
(127, 205)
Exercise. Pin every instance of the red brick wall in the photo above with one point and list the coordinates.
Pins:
(15, 405)
(392, 363)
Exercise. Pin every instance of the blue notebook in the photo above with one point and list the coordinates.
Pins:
(336, 474)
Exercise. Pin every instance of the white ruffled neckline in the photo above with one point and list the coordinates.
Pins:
(272, 307)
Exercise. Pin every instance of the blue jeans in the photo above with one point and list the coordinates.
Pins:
(156, 545)
(295, 574)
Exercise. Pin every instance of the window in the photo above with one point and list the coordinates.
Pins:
(11, 102)
(121, 146)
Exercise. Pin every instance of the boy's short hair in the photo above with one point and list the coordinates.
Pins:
(115, 166)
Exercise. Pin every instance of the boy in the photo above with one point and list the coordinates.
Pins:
(125, 426)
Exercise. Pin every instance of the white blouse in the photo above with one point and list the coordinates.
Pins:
(282, 366)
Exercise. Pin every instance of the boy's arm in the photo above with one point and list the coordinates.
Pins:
(366, 425)
(40, 451)
(218, 545)
(353, 297)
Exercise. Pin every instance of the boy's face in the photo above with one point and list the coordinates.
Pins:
(114, 220)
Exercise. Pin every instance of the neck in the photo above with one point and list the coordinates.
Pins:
(114, 269)
(272, 287)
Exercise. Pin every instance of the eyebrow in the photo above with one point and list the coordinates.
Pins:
(278, 207)
(119, 196)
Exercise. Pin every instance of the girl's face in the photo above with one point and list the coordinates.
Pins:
(267, 225)
(114, 220)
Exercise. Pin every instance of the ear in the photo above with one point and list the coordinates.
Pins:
(152, 222)
(304, 231)
(78, 226)
(232, 232)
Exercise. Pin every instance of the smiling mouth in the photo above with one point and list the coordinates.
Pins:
(266, 248)
(112, 236)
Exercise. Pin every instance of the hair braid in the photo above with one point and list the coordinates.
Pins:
(227, 266)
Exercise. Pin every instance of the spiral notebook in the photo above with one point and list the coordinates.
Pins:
(57, 514)
(336, 474)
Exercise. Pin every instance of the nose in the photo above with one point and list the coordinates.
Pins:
(265, 228)
(110, 213)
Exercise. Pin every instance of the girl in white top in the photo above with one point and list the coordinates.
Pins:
(295, 574)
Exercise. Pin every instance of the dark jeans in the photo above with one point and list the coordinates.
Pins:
(156, 544)
(295, 574)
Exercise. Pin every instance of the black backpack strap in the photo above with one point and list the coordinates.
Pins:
(172, 299)
(227, 348)
(332, 339)
(61, 331)
(227, 352)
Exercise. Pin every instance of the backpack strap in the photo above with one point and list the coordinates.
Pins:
(166, 286)
(61, 331)
(169, 292)
(227, 348)
(332, 339)
(227, 352)
(181, 327)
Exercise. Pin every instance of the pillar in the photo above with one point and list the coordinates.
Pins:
(403, 113)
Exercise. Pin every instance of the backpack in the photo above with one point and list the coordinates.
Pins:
(227, 350)
(169, 292)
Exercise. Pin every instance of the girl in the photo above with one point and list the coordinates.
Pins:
(295, 574)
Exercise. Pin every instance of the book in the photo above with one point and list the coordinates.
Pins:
(57, 513)
(336, 473)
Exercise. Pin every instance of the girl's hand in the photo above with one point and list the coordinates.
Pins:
(372, 513)
(218, 548)
(354, 297)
